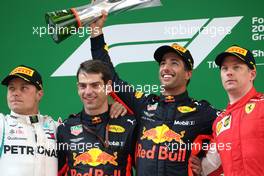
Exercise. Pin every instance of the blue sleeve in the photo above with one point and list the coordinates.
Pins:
(135, 100)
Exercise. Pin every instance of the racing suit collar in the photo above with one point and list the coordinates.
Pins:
(174, 98)
(95, 119)
(28, 119)
(252, 93)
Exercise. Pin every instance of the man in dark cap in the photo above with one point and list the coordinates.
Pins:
(241, 124)
(28, 144)
(169, 123)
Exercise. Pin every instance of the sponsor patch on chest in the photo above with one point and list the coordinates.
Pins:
(223, 125)
(76, 130)
(152, 107)
(116, 129)
(186, 109)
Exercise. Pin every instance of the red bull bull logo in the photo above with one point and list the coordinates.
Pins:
(158, 135)
(162, 134)
(95, 157)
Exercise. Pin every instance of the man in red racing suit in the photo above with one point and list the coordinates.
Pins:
(240, 127)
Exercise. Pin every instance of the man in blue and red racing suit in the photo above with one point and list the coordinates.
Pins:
(169, 123)
(90, 142)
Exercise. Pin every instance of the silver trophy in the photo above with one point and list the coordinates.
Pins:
(62, 22)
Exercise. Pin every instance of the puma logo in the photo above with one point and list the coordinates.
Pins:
(131, 121)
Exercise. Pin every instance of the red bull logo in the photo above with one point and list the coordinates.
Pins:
(163, 153)
(94, 172)
(162, 134)
(95, 157)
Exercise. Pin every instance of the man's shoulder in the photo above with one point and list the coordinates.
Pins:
(221, 115)
(47, 118)
(72, 119)
(203, 105)
(49, 122)
(126, 120)
(152, 98)
(258, 98)
(2, 116)
(122, 124)
(205, 109)
(127, 116)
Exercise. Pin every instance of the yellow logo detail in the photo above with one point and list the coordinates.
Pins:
(178, 47)
(116, 129)
(227, 122)
(186, 109)
(223, 125)
(23, 70)
(219, 127)
(106, 48)
(238, 50)
(249, 107)
(162, 134)
(169, 97)
(138, 94)
(95, 157)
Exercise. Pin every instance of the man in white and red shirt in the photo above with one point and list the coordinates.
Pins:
(241, 125)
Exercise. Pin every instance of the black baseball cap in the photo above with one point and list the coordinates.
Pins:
(241, 53)
(26, 73)
(178, 49)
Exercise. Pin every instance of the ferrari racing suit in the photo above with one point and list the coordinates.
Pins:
(239, 137)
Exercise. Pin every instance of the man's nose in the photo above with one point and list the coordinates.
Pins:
(88, 90)
(16, 92)
(229, 72)
(166, 67)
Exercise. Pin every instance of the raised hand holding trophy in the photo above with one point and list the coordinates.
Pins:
(62, 22)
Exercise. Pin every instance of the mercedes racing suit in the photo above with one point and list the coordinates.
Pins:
(28, 145)
(96, 145)
(239, 137)
(167, 124)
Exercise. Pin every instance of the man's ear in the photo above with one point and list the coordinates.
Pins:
(189, 74)
(253, 74)
(40, 94)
